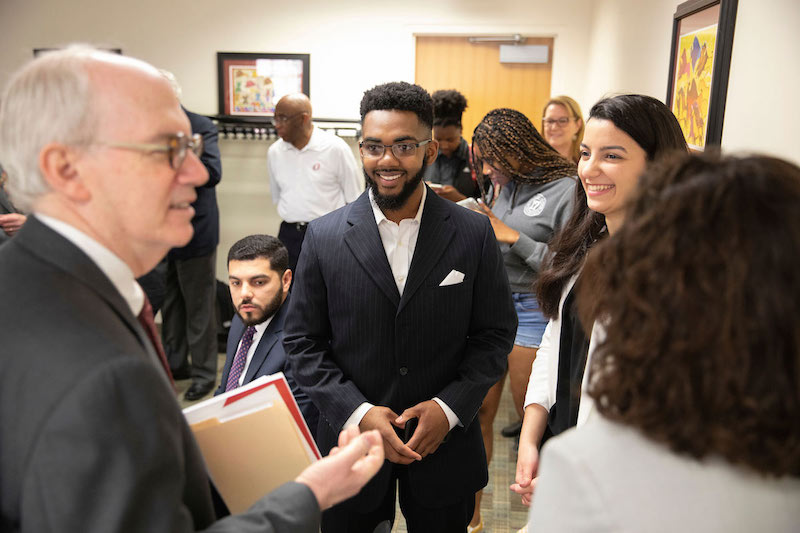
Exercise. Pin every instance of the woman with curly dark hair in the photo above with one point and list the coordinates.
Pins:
(529, 198)
(451, 175)
(623, 135)
(698, 377)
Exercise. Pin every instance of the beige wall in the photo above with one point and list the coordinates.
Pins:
(629, 52)
(763, 105)
(601, 47)
(628, 49)
(353, 45)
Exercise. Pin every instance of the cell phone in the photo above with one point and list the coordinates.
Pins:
(408, 432)
(470, 203)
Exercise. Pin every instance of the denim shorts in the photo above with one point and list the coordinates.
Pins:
(531, 321)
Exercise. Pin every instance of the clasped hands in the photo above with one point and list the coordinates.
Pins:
(432, 428)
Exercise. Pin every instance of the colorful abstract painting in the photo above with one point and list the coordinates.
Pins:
(254, 87)
(692, 85)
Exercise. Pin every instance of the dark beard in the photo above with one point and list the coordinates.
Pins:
(268, 310)
(393, 203)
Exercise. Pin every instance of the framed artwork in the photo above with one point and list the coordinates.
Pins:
(700, 60)
(250, 84)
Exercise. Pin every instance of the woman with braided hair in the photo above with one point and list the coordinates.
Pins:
(528, 197)
(451, 175)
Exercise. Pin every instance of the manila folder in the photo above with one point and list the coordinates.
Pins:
(251, 454)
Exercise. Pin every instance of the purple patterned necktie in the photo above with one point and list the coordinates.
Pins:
(237, 367)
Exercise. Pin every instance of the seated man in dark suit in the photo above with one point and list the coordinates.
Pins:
(259, 280)
(99, 151)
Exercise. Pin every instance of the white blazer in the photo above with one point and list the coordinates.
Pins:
(544, 372)
(607, 477)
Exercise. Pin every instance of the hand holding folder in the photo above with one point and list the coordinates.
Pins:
(253, 439)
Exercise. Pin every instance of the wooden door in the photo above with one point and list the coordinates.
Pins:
(475, 70)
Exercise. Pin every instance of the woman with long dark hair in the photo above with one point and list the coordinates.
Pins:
(624, 135)
(527, 194)
(697, 382)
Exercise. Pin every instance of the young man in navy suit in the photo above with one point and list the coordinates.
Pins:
(259, 280)
(401, 319)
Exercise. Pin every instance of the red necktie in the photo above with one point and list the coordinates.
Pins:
(146, 320)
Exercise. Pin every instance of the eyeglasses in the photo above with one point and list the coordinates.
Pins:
(403, 149)
(176, 147)
(560, 122)
(282, 119)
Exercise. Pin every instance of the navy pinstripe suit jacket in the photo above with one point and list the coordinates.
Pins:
(352, 338)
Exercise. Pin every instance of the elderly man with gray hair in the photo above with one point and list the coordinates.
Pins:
(98, 149)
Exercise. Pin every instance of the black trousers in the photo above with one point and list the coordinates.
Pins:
(420, 516)
(291, 234)
(190, 318)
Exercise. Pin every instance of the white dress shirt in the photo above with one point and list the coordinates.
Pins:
(306, 184)
(399, 242)
(260, 328)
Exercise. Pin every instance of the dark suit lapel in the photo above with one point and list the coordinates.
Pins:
(268, 339)
(365, 243)
(52, 248)
(435, 233)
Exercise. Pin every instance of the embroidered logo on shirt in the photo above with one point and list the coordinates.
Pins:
(316, 166)
(535, 205)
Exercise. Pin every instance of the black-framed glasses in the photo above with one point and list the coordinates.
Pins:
(282, 119)
(375, 150)
(561, 122)
(176, 147)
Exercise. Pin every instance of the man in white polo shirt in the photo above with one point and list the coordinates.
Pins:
(311, 172)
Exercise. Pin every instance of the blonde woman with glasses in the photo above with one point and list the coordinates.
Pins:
(562, 126)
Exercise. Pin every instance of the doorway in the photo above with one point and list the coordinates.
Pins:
(475, 70)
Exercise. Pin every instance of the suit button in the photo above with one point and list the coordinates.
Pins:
(403, 371)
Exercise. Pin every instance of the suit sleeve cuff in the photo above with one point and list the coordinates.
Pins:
(452, 419)
(358, 414)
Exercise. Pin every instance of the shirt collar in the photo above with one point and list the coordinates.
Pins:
(312, 145)
(380, 217)
(119, 273)
(263, 325)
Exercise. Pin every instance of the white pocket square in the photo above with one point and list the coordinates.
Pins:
(453, 278)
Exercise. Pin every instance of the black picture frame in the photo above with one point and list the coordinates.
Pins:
(723, 46)
(257, 110)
